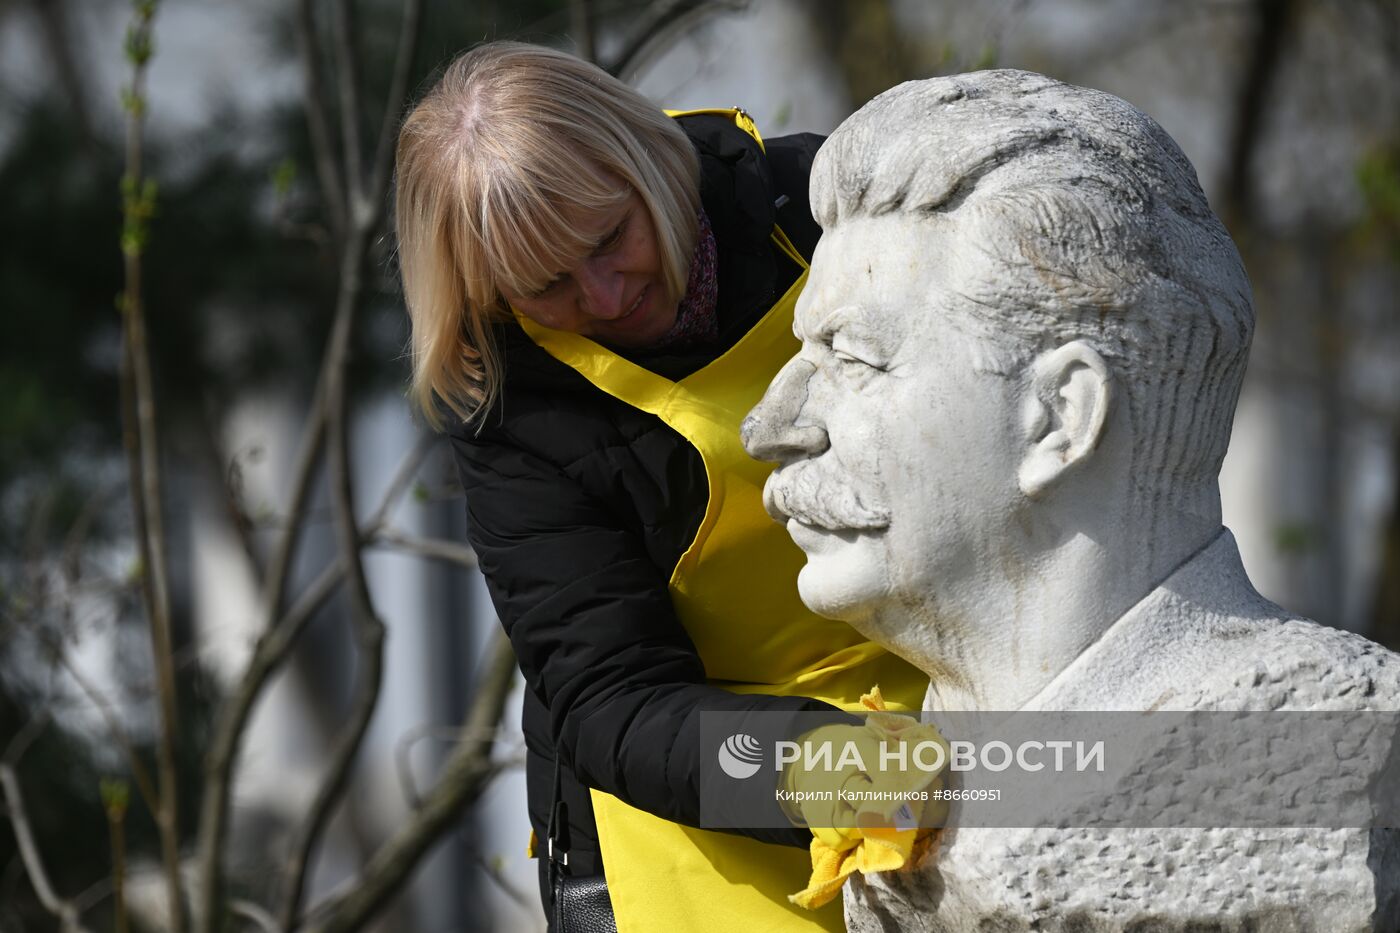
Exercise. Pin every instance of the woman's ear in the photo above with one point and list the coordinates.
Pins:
(1064, 413)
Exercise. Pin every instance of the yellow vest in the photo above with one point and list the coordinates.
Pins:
(735, 591)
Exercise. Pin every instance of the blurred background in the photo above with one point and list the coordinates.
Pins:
(351, 793)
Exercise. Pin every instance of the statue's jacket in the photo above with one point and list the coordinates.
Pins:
(1204, 640)
(580, 505)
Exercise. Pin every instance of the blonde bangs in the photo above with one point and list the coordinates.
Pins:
(528, 225)
(496, 166)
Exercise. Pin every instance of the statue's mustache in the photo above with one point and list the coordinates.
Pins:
(814, 497)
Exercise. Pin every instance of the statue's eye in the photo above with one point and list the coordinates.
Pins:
(852, 354)
(855, 371)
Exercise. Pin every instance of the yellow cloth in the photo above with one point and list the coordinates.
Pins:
(862, 838)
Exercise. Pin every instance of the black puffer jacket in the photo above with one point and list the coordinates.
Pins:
(580, 506)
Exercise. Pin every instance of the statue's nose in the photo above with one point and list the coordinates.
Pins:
(771, 431)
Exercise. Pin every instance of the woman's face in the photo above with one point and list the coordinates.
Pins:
(615, 295)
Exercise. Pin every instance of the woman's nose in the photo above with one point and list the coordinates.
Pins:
(601, 292)
(771, 432)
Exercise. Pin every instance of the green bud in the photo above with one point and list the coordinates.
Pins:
(116, 796)
(283, 176)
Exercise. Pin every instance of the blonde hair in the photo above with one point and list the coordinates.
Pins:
(494, 165)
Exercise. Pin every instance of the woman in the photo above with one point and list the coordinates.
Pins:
(599, 292)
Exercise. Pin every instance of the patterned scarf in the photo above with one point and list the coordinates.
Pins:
(696, 320)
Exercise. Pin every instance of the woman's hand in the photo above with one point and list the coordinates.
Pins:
(863, 816)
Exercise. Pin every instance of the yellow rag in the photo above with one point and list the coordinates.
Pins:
(870, 844)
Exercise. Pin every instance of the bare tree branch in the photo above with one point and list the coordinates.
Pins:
(581, 29)
(868, 48)
(275, 645)
(269, 654)
(64, 910)
(318, 121)
(365, 196)
(263, 920)
(342, 760)
(434, 548)
(115, 804)
(138, 197)
(144, 784)
(224, 470)
(667, 16)
(78, 531)
(403, 749)
(498, 877)
(58, 41)
(1273, 23)
(398, 90)
(463, 777)
(369, 629)
(309, 452)
(407, 470)
(348, 84)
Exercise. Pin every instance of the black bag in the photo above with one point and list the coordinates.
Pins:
(581, 905)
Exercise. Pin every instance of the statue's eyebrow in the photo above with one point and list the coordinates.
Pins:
(860, 327)
(838, 318)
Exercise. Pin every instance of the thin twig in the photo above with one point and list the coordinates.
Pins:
(493, 871)
(64, 910)
(337, 778)
(398, 89)
(318, 121)
(369, 629)
(463, 778)
(260, 917)
(403, 750)
(365, 196)
(275, 645)
(27, 736)
(116, 823)
(94, 894)
(138, 200)
(144, 785)
(225, 470)
(78, 532)
(407, 470)
(348, 84)
(581, 29)
(309, 452)
(434, 548)
(1274, 23)
(666, 17)
(269, 654)
(131, 448)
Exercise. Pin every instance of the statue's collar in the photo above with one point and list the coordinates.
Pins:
(1141, 662)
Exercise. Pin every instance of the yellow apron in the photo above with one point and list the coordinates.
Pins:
(735, 591)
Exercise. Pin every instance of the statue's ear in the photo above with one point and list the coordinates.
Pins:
(1064, 413)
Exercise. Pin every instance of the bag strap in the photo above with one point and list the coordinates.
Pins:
(557, 832)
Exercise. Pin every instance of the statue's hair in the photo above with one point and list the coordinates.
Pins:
(494, 166)
(1100, 232)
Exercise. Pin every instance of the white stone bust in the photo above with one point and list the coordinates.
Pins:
(1023, 339)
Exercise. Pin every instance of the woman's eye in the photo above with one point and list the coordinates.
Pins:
(612, 239)
(547, 288)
